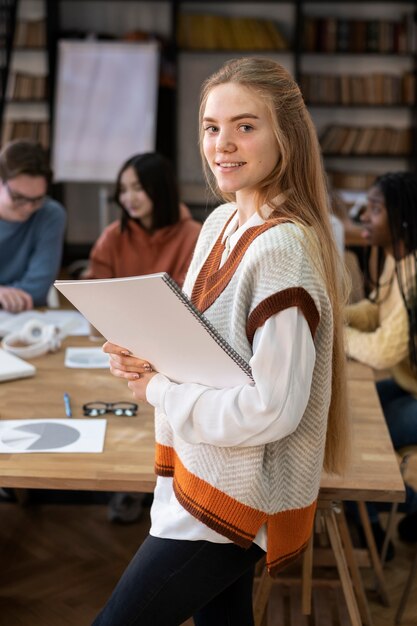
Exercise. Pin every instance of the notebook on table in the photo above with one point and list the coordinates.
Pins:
(154, 319)
(12, 367)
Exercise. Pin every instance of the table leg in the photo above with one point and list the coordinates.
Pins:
(261, 597)
(337, 547)
(352, 564)
(373, 553)
(307, 578)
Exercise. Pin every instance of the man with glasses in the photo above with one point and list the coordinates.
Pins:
(32, 227)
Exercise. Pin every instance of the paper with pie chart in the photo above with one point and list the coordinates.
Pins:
(52, 435)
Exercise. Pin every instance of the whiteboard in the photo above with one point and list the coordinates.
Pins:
(105, 107)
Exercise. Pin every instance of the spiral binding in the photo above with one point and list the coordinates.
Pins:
(235, 356)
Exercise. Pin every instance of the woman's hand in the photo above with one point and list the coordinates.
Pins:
(136, 371)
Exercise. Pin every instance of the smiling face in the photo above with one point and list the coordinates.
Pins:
(238, 141)
(134, 198)
(21, 196)
(375, 222)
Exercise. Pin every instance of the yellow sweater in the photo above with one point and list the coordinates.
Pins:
(377, 333)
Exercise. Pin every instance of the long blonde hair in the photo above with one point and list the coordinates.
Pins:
(298, 180)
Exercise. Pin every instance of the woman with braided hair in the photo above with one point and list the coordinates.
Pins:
(382, 330)
(239, 467)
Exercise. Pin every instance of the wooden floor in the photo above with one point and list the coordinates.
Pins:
(60, 562)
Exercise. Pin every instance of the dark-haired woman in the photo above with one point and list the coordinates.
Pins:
(382, 330)
(155, 233)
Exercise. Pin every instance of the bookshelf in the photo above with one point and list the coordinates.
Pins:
(26, 110)
(355, 63)
(357, 72)
(7, 26)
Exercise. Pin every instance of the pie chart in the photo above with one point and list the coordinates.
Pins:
(40, 436)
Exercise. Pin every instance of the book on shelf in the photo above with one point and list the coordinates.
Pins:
(355, 181)
(366, 140)
(349, 143)
(359, 89)
(330, 34)
(25, 86)
(30, 34)
(154, 319)
(205, 31)
(21, 129)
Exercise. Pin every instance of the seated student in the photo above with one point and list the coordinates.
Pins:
(382, 330)
(154, 234)
(32, 227)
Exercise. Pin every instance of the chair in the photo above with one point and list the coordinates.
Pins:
(405, 454)
(406, 590)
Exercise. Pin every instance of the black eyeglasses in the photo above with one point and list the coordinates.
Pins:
(20, 200)
(121, 409)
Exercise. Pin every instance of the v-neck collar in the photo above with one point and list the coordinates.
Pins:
(213, 279)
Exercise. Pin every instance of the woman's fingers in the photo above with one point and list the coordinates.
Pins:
(123, 361)
(121, 373)
(130, 364)
(112, 348)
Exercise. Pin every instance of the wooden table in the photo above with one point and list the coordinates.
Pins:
(128, 458)
(126, 463)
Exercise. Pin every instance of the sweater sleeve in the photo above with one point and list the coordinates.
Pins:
(362, 315)
(100, 263)
(45, 257)
(282, 368)
(383, 347)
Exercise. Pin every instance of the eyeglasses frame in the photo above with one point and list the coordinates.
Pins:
(108, 407)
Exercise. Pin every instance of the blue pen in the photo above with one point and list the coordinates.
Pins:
(67, 403)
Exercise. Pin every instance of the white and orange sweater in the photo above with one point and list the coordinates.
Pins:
(236, 490)
(377, 332)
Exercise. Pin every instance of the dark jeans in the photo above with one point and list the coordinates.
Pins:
(169, 581)
(400, 410)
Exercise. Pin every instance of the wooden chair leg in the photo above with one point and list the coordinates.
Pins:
(389, 532)
(307, 578)
(353, 566)
(261, 597)
(373, 553)
(407, 589)
(336, 544)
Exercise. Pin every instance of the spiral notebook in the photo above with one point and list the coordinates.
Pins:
(153, 318)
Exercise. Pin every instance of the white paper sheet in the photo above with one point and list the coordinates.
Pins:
(86, 358)
(52, 435)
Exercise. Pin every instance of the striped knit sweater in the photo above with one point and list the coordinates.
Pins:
(235, 490)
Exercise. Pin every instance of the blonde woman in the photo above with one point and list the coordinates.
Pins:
(239, 468)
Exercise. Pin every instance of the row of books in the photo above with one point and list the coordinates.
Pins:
(354, 181)
(218, 32)
(30, 34)
(21, 129)
(370, 89)
(22, 86)
(330, 34)
(364, 140)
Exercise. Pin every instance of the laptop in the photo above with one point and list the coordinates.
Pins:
(12, 366)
